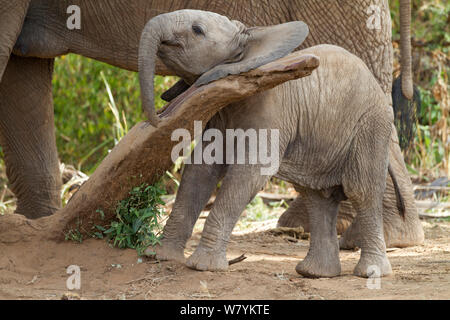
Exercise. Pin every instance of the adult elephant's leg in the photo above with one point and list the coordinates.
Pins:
(12, 15)
(27, 136)
(297, 215)
(322, 259)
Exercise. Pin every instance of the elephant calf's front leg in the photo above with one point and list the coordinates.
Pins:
(197, 184)
(240, 185)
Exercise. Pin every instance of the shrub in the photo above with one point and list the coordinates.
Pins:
(138, 223)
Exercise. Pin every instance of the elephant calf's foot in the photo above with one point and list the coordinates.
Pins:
(313, 266)
(166, 252)
(373, 266)
(207, 260)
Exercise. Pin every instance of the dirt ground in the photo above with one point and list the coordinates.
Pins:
(38, 271)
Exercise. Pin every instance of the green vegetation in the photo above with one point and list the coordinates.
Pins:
(7, 199)
(138, 222)
(74, 235)
(257, 211)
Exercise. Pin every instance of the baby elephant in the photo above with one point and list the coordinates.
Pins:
(333, 135)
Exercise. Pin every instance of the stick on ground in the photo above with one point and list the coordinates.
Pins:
(242, 257)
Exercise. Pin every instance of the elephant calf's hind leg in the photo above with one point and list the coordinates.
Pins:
(322, 259)
(364, 182)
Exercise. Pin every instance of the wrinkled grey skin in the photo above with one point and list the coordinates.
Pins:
(110, 32)
(189, 31)
(12, 15)
(334, 127)
(202, 46)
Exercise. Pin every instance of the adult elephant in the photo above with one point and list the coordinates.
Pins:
(110, 31)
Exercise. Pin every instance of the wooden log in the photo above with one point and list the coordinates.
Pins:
(144, 154)
(440, 209)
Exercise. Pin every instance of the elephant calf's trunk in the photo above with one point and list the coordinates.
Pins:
(148, 49)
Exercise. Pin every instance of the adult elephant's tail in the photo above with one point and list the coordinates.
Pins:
(405, 98)
(405, 48)
(405, 113)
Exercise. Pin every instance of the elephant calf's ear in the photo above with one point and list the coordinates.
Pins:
(265, 44)
(177, 89)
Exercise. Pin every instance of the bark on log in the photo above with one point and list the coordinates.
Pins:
(144, 154)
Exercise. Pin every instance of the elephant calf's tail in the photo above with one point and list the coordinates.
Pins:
(400, 201)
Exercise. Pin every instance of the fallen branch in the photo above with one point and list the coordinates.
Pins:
(238, 259)
(441, 209)
(144, 154)
(296, 233)
(425, 204)
(434, 215)
(431, 188)
(437, 186)
(277, 196)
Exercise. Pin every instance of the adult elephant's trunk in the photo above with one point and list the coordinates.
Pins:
(11, 21)
(405, 48)
(148, 49)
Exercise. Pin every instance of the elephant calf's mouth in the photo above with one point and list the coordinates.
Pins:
(172, 106)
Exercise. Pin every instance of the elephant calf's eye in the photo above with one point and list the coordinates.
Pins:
(198, 30)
